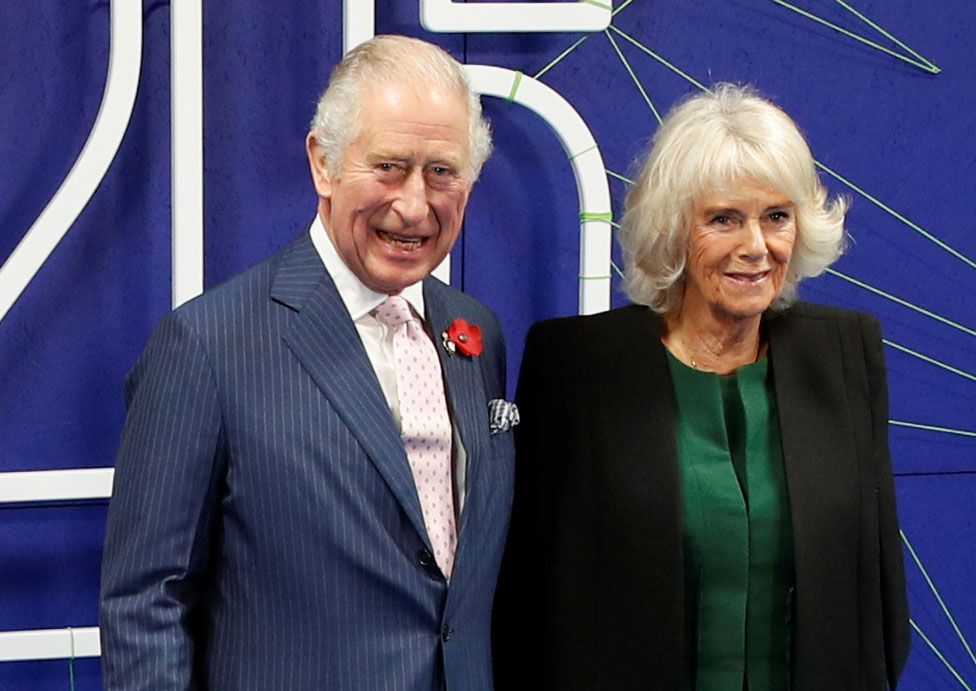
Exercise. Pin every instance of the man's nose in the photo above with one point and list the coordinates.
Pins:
(411, 202)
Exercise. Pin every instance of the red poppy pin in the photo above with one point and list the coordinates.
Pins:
(463, 337)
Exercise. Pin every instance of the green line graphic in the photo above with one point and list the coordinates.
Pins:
(900, 301)
(932, 428)
(630, 71)
(515, 86)
(597, 3)
(921, 62)
(939, 655)
(586, 150)
(71, 660)
(874, 200)
(616, 11)
(605, 216)
(935, 68)
(657, 57)
(619, 176)
(616, 268)
(930, 360)
(559, 58)
(918, 229)
(938, 597)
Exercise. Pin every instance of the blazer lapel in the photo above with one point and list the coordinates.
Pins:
(324, 339)
(821, 471)
(465, 389)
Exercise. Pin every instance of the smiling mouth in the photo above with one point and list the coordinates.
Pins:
(400, 241)
(748, 278)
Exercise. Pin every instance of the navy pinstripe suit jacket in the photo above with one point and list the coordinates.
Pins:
(265, 531)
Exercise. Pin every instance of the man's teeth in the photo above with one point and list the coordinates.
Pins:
(399, 241)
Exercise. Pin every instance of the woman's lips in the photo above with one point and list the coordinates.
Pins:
(747, 277)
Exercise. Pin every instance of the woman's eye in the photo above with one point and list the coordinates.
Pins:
(721, 220)
(779, 216)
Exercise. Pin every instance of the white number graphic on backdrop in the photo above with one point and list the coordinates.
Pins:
(121, 83)
(114, 113)
(187, 189)
(449, 16)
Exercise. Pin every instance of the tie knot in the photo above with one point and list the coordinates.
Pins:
(394, 311)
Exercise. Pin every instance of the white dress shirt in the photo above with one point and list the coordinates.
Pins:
(377, 338)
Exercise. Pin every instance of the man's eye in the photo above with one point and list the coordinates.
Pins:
(440, 171)
(389, 169)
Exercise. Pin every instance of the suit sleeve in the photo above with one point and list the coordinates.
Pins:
(893, 599)
(159, 519)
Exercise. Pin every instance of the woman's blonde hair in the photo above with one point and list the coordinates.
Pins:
(706, 142)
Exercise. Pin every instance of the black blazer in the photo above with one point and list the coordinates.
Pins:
(592, 591)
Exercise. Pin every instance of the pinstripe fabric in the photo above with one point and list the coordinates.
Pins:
(265, 532)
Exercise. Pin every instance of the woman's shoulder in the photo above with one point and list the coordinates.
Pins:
(806, 325)
(600, 325)
(800, 312)
(614, 336)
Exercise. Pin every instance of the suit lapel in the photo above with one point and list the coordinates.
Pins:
(464, 388)
(324, 339)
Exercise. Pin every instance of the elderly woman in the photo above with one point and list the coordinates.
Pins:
(704, 497)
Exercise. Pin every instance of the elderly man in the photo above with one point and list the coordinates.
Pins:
(313, 486)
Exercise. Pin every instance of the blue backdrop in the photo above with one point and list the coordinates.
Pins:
(897, 136)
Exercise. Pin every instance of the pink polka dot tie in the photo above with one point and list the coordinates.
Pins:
(425, 425)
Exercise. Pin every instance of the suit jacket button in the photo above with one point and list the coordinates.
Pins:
(425, 558)
(446, 633)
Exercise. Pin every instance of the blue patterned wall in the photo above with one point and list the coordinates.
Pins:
(891, 123)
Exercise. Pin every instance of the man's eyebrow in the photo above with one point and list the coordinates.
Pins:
(448, 161)
(383, 155)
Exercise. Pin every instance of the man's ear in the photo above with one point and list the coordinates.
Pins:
(322, 177)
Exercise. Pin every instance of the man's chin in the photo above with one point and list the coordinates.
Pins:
(393, 281)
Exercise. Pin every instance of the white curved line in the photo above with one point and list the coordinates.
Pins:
(49, 644)
(70, 484)
(186, 108)
(510, 17)
(125, 55)
(358, 23)
(587, 163)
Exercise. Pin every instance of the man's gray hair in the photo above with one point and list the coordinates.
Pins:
(708, 141)
(400, 60)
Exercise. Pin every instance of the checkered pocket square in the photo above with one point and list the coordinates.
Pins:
(502, 415)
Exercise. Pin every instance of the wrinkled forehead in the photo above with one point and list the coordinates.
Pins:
(748, 175)
(424, 104)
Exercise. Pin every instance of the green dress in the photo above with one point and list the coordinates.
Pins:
(737, 532)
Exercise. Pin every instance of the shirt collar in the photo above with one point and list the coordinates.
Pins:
(359, 299)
